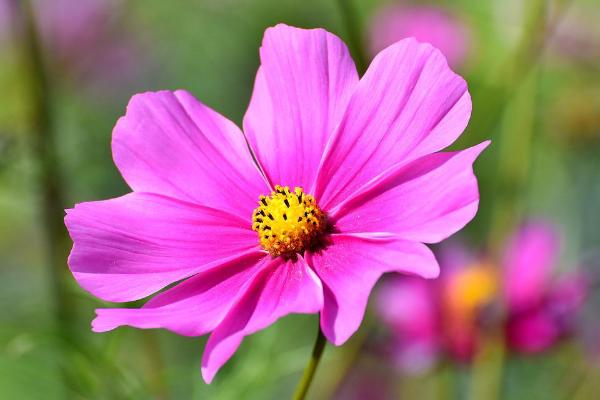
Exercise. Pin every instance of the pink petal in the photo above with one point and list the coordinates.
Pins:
(427, 200)
(301, 90)
(193, 307)
(554, 315)
(568, 294)
(349, 268)
(532, 332)
(129, 247)
(171, 144)
(281, 288)
(455, 257)
(408, 306)
(528, 264)
(407, 105)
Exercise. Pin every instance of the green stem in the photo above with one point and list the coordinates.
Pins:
(156, 375)
(487, 370)
(499, 90)
(354, 32)
(517, 126)
(43, 150)
(42, 142)
(311, 367)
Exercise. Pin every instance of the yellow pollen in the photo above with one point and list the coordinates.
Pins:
(287, 221)
(471, 289)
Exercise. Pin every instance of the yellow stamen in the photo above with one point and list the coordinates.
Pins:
(288, 221)
(471, 289)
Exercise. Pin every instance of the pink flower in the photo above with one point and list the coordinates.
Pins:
(541, 310)
(445, 315)
(426, 24)
(405, 305)
(369, 187)
(83, 39)
(440, 317)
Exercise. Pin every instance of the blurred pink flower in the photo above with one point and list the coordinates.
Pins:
(540, 310)
(84, 40)
(406, 306)
(361, 147)
(426, 24)
(444, 317)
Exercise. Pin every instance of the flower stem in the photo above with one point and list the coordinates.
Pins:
(517, 126)
(311, 367)
(43, 149)
(354, 32)
(48, 177)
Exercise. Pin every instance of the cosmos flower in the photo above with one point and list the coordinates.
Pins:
(427, 24)
(349, 185)
(444, 317)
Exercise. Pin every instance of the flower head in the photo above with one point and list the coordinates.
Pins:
(349, 185)
(538, 310)
(426, 24)
(288, 222)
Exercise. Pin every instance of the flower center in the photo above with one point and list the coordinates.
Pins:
(287, 221)
(471, 289)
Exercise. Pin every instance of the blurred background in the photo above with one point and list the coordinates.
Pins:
(485, 329)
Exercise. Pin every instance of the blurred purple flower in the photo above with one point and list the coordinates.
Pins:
(445, 316)
(427, 24)
(527, 263)
(540, 310)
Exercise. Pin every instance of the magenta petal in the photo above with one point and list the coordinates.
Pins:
(302, 88)
(528, 265)
(408, 306)
(193, 307)
(407, 105)
(567, 295)
(171, 144)
(281, 288)
(349, 268)
(129, 247)
(427, 200)
(532, 332)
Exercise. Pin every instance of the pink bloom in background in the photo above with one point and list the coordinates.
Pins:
(541, 310)
(247, 251)
(409, 307)
(439, 317)
(84, 39)
(426, 24)
(446, 314)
